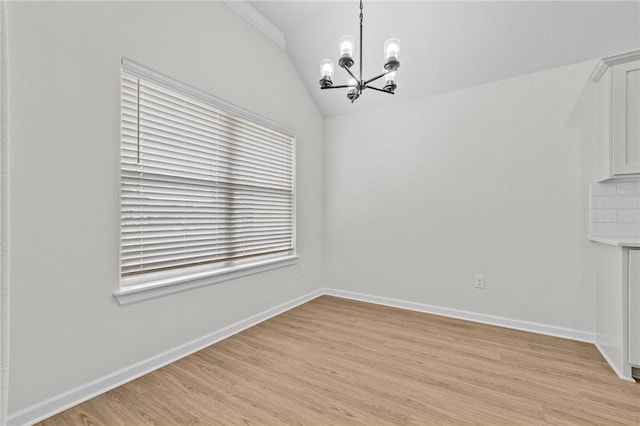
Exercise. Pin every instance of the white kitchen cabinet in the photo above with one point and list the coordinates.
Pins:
(626, 118)
(634, 308)
(618, 79)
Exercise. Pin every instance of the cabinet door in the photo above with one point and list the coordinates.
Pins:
(626, 118)
(634, 307)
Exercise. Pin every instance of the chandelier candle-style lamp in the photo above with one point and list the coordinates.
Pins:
(357, 84)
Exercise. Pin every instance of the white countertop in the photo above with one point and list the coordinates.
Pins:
(617, 241)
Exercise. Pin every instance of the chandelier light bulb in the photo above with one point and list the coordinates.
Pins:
(391, 77)
(345, 44)
(391, 49)
(326, 68)
(391, 52)
(353, 93)
(390, 82)
(326, 73)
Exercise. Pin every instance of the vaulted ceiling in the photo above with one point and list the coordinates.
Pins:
(449, 45)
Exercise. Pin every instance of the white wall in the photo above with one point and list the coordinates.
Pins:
(491, 180)
(66, 328)
(4, 229)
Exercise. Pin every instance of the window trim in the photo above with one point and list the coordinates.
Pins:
(157, 284)
(165, 284)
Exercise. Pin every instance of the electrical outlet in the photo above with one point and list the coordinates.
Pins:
(479, 281)
(303, 269)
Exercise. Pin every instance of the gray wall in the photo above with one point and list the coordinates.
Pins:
(66, 328)
(489, 180)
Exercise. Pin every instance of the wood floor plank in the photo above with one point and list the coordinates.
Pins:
(334, 361)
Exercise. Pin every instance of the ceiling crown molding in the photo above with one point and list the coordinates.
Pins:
(610, 61)
(248, 12)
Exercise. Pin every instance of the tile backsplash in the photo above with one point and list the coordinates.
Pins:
(615, 209)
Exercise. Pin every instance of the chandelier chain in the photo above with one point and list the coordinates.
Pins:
(361, 17)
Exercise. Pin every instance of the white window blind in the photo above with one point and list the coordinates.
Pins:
(202, 182)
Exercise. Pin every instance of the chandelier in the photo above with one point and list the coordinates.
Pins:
(357, 84)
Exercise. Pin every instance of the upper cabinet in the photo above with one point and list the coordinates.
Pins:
(618, 79)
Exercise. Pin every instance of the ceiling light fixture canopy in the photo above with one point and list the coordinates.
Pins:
(357, 85)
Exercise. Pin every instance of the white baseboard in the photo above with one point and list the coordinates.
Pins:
(59, 403)
(621, 375)
(549, 330)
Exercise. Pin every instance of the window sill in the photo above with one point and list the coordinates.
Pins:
(161, 287)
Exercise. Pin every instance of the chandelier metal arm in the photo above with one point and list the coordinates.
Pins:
(351, 74)
(342, 86)
(377, 77)
(379, 90)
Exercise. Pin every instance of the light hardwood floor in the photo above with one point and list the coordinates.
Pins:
(339, 362)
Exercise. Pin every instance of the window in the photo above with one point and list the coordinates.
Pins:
(206, 188)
